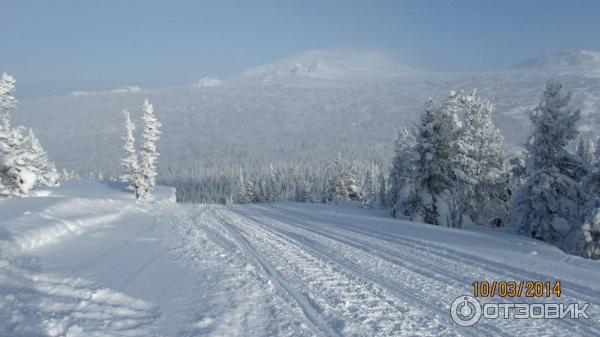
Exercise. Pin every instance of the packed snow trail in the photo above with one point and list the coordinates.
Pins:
(100, 264)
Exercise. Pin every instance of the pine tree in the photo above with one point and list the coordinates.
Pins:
(586, 150)
(244, 194)
(302, 190)
(368, 191)
(550, 203)
(401, 173)
(17, 181)
(586, 241)
(434, 174)
(37, 162)
(7, 104)
(481, 171)
(353, 190)
(271, 191)
(23, 162)
(148, 153)
(337, 190)
(7, 101)
(383, 190)
(131, 168)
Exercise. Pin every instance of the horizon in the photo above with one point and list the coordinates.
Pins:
(62, 46)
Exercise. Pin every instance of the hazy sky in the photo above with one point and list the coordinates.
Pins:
(66, 45)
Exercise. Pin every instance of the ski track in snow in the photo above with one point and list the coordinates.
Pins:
(245, 302)
(258, 270)
(351, 282)
(439, 273)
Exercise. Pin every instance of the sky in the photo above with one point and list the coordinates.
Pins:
(53, 46)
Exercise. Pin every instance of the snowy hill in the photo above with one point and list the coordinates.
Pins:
(303, 116)
(93, 262)
(330, 65)
(566, 61)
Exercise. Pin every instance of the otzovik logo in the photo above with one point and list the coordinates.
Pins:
(467, 310)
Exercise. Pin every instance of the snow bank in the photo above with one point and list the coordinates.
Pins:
(68, 210)
(36, 304)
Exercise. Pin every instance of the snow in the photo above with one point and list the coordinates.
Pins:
(27, 180)
(67, 211)
(330, 65)
(209, 82)
(305, 115)
(125, 89)
(566, 61)
(129, 268)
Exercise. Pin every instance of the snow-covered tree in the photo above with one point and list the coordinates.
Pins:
(270, 189)
(337, 190)
(131, 167)
(37, 162)
(7, 101)
(434, 174)
(550, 204)
(369, 191)
(480, 159)
(586, 150)
(67, 175)
(383, 189)
(148, 154)
(16, 179)
(23, 162)
(244, 194)
(400, 181)
(586, 241)
(7, 104)
(302, 190)
(352, 185)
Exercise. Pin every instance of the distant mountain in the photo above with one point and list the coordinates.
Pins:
(349, 103)
(564, 62)
(330, 65)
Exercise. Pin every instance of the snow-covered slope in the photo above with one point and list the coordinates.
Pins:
(165, 269)
(566, 61)
(304, 119)
(330, 65)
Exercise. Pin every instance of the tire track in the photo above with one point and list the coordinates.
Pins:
(334, 290)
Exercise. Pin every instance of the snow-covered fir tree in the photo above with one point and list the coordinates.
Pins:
(586, 150)
(550, 205)
(23, 162)
(7, 100)
(244, 193)
(369, 191)
(37, 162)
(302, 190)
(131, 168)
(434, 174)
(148, 154)
(400, 181)
(481, 171)
(65, 175)
(270, 189)
(16, 180)
(353, 189)
(586, 241)
(337, 190)
(383, 189)
(7, 104)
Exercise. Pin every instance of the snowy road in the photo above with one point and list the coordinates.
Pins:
(263, 270)
(349, 278)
